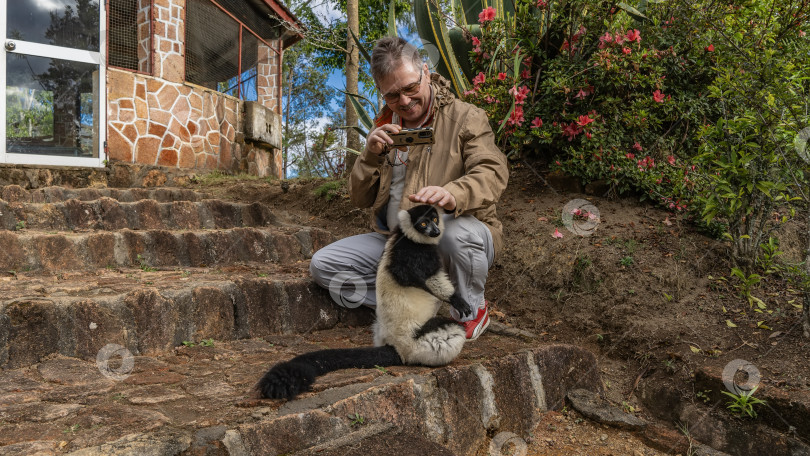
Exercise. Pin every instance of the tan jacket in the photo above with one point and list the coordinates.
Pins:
(464, 161)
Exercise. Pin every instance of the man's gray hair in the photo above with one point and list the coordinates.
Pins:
(389, 53)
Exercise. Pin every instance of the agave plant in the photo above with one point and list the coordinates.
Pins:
(449, 48)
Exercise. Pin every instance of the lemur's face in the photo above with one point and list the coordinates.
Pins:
(428, 223)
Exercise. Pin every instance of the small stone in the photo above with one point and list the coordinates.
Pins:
(603, 437)
(93, 325)
(594, 407)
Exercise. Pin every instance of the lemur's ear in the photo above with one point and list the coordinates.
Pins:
(404, 218)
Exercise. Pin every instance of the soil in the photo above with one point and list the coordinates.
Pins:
(639, 286)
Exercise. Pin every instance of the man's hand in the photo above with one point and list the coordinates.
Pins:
(435, 195)
(378, 140)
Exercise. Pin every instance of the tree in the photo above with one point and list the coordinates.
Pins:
(352, 72)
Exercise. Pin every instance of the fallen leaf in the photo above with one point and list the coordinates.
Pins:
(730, 324)
(694, 349)
(667, 222)
(542, 219)
(775, 334)
(557, 234)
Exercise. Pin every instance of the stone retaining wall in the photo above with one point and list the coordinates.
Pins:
(160, 119)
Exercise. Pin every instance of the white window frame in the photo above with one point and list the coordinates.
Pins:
(58, 52)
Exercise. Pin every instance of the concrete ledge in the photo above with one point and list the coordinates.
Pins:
(150, 320)
(456, 406)
(18, 194)
(109, 214)
(32, 251)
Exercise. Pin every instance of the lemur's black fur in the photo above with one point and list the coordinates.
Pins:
(411, 282)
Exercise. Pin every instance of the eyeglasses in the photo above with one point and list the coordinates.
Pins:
(408, 90)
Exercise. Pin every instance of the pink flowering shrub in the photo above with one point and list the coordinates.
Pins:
(599, 94)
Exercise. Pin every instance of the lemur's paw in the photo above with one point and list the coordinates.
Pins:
(286, 380)
(464, 310)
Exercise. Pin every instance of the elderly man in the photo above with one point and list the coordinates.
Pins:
(463, 172)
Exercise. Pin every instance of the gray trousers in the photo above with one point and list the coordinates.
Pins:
(348, 267)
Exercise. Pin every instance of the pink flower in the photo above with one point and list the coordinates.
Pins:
(633, 35)
(658, 96)
(519, 94)
(525, 74)
(572, 130)
(477, 43)
(802, 33)
(626, 51)
(671, 160)
(630, 155)
(584, 120)
(619, 38)
(576, 211)
(637, 146)
(604, 39)
(537, 122)
(501, 76)
(557, 234)
(710, 48)
(487, 15)
(541, 4)
(589, 136)
(581, 94)
(516, 118)
(479, 79)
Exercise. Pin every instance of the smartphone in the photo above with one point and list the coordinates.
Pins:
(412, 137)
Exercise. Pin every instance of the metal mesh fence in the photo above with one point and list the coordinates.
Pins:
(212, 51)
(130, 34)
(250, 60)
(212, 48)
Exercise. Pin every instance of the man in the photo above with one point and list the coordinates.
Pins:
(463, 172)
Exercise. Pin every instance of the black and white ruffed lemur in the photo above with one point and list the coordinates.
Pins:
(411, 284)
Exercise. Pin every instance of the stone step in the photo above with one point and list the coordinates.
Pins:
(152, 312)
(17, 194)
(36, 250)
(109, 214)
(199, 400)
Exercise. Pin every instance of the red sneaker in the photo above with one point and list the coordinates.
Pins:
(476, 327)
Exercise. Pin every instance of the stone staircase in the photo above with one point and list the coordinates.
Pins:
(136, 321)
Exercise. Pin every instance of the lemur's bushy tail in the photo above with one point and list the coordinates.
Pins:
(437, 342)
(288, 379)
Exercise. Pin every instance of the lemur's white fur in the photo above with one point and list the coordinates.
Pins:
(401, 311)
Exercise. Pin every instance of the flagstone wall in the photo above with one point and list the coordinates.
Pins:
(163, 120)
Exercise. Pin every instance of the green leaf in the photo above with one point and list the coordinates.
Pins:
(362, 115)
(634, 13)
(343, 148)
(508, 115)
(363, 51)
(730, 324)
(363, 132)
